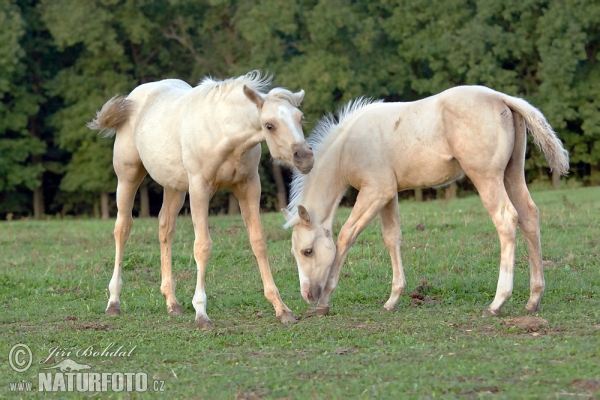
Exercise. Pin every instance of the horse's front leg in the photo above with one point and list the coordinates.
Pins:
(200, 195)
(368, 203)
(248, 194)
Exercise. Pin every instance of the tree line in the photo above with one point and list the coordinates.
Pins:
(61, 60)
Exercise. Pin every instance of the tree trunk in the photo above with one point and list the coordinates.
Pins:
(38, 202)
(418, 194)
(451, 190)
(594, 175)
(144, 200)
(38, 192)
(281, 194)
(234, 205)
(96, 209)
(555, 179)
(104, 205)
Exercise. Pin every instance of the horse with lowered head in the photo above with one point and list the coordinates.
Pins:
(382, 148)
(199, 140)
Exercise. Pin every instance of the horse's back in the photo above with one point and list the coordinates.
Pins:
(424, 143)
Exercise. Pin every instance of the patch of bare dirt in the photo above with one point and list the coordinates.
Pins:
(345, 350)
(419, 296)
(95, 327)
(527, 323)
(587, 384)
(552, 263)
(249, 395)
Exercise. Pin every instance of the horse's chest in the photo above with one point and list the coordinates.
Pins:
(230, 173)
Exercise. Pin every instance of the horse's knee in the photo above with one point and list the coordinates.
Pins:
(122, 226)
(259, 246)
(166, 229)
(392, 238)
(202, 249)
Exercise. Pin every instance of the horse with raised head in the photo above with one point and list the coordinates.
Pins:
(199, 140)
(382, 148)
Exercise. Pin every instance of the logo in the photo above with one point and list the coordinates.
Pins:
(20, 357)
(67, 365)
(71, 376)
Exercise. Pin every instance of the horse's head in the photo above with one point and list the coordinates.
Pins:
(281, 123)
(314, 251)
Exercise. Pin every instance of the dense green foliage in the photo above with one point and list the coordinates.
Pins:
(61, 60)
(53, 292)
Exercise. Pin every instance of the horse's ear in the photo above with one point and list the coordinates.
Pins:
(303, 214)
(299, 96)
(255, 97)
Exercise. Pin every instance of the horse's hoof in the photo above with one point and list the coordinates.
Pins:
(113, 309)
(310, 312)
(203, 323)
(491, 313)
(389, 309)
(322, 311)
(532, 309)
(175, 309)
(287, 318)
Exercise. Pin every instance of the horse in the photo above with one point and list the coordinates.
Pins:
(382, 148)
(199, 140)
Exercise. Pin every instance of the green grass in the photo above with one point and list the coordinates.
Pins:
(54, 274)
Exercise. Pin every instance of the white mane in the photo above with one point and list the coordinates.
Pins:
(253, 79)
(325, 131)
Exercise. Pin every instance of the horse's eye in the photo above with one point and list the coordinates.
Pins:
(307, 252)
(270, 127)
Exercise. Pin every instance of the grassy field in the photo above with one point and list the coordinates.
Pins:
(54, 275)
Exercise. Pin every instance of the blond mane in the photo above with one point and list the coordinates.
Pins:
(253, 79)
(322, 135)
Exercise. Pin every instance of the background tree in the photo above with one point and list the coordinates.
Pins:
(60, 61)
(25, 64)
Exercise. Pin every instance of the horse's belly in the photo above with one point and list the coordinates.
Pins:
(168, 174)
(162, 159)
(429, 174)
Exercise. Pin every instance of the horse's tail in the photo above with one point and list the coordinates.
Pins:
(542, 133)
(112, 115)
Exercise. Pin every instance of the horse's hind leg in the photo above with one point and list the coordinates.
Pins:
(514, 181)
(504, 215)
(129, 179)
(167, 221)
(392, 236)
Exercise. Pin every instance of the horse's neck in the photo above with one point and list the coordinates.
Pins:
(324, 187)
(247, 132)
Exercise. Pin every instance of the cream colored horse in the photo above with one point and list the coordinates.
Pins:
(200, 140)
(381, 148)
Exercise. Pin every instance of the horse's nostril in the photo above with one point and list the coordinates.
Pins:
(296, 155)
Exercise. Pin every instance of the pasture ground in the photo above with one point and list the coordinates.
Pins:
(54, 274)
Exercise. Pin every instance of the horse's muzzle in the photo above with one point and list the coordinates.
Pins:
(303, 158)
(314, 294)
